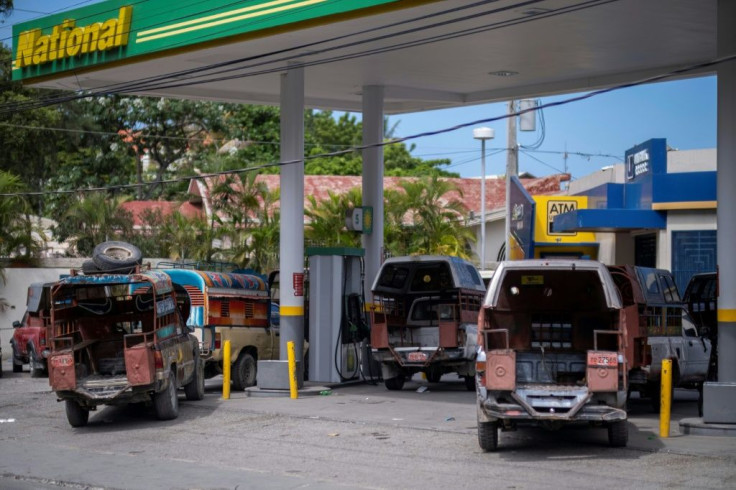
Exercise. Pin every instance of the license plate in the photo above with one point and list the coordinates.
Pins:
(62, 361)
(602, 359)
(417, 356)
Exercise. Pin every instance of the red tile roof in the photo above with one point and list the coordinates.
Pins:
(319, 186)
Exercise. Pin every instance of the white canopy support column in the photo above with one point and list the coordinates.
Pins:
(373, 182)
(291, 248)
(719, 399)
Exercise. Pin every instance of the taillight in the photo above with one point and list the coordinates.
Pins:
(480, 360)
(218, 341)
(158, 360)
(480, 365)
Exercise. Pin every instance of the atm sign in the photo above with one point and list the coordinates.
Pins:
(555, 207)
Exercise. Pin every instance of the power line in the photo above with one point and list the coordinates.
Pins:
(557, 103)
(543, 163)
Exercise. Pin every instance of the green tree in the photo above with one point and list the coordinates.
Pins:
(189, 239)
(19, 236)
(326, 226)
(93, 219)
(250, 221)
(435, 223)
(171, 130)
(28, 146)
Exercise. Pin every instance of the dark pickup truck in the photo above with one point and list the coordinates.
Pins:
(425, 318)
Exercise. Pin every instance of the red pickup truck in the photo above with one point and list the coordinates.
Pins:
(29, 340)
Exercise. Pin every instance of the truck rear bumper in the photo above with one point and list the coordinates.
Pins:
(421, 357)
(535, 405)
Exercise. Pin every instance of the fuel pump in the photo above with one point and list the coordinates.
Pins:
(337, 319)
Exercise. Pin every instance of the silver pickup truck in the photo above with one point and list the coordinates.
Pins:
(551, 350)
(665, 331)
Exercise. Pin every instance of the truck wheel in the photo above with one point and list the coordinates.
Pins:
(15, 360)
(395, 384)
(194, 390)
(111, 256)
(488, 436)
(433, 375)
(244, 372)
(76, 414)
(166, 403)
(36, 371)
(618, 434)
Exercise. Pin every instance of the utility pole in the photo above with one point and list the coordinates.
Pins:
(512, 168)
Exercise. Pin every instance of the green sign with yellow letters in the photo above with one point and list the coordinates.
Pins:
(117, 30)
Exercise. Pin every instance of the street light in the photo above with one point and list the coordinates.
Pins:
(483, 134)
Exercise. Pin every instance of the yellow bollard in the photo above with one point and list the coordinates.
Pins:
(665, 398)
(291, 356)
(226, 371)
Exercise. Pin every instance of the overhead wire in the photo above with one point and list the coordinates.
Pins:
(585, 96)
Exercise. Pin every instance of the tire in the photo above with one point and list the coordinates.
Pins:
(488, 436)
(618, 434)
(395, 384)
(433, 375)
(17, 365)
(36, 372)
(90, 268)
(77, 415)
(194, 390)
(166, 403)
(469, 382)
(244, 372)
(116, 256)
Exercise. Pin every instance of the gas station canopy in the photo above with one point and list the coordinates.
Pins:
(426, 54)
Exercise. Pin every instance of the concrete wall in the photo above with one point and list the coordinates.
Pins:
(14, 290)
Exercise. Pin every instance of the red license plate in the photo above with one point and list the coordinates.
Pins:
(417, 356)
(62, 361)
(602, 359)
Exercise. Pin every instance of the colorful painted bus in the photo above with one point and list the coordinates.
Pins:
(229, 306)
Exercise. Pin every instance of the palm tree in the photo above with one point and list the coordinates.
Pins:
(19, 236)
(189, 239)
(327, 219)
(97, 218)
(250, 221)
(436, 221)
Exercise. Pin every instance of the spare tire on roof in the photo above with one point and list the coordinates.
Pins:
(89, 267)
(116, 256)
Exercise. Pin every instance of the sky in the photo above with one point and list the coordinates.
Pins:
(601, 128)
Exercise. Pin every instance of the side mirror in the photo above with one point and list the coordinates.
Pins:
(16, 324)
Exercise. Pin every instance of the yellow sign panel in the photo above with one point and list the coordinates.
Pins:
(547, 207)
(532, 280)
(67, 40)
